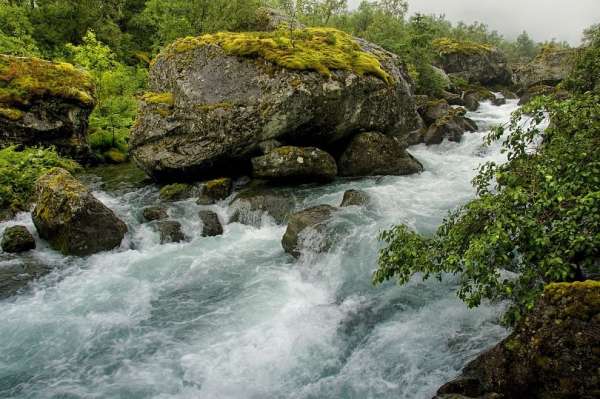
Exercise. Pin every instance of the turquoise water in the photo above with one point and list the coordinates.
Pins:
(235, 317)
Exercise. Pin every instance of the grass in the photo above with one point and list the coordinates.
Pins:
(19, 171)
(23, 80)
(446, 46)
(313, 49)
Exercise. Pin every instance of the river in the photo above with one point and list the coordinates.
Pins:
(235, 317)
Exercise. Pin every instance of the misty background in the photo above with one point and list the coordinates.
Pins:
(542, 19)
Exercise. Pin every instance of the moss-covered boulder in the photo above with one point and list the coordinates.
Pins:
(224, 94)
(549, 68)
(71, 219)
(215, 190)
(307, 230)
(295, 165)
(372, 154)
(45, 103)
(554, 352)
(476, 63)
(177, 192)
(17, 239)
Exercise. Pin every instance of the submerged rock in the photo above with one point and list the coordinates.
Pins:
(313, 218)
(250, 205)
(211, 226)
(17, 239)
(170, 231)
(13, 277)
(153, 213)
(476, 63)
(215, 190)
(498, 101)
(71, 219)
(218, 97)
(295, 164)
(355, 198)
(370, 154)
(45, 103)
(554, 352)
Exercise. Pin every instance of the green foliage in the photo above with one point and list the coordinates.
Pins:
(19, 171)
(317, 49)
(16, 32)
(537, 216)
(586, 73)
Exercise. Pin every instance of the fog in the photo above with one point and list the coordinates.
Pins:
(543, 19)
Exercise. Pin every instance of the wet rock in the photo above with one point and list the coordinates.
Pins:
(215, 190)
(295, 164)
(6, 214)
(170, 231)
(452, 127)
(355, 198)
(371, 154)
(250, 205)
(211, 226)
(177, 192)
(554, 352)
(17, 239)
(434, 110)
(14, 278)
(498, 101)
(52, 111)
(153, 213)
(471, 102)
(211, 110)
(314, 218)
(71, 219)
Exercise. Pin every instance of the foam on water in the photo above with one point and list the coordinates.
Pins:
(235, 317)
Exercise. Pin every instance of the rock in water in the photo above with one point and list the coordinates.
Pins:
(355, 198)
(170, 231)
(215, 190)
(295, 164)
(216, 98)
(211, 226)
(177, 192)
(14, 277)
(312, 218)
(71, 219)
(452, 127)
(434, 110)
(17, 239)
(153, 213)
(370, 154)
(554, 352)
(250, 205)
(45, 103)
(474, 62)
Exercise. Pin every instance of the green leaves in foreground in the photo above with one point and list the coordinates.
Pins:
(19, 171)
(536, 219)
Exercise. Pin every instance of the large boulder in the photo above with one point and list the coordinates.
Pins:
(71, 219)
(371, 154)
(217, 98)
(17, 239)
(250, 205)
(295, 164)
(315, 218)
(476, 63)
(452, 126)
(554, 352)
(45, 103)
(550, 67)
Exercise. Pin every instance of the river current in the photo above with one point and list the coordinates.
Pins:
(235, 317)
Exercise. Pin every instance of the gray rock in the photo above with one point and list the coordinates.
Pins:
(225, 106)
(211, 226)
(549, 68)
(314, 218)
(71, 219)
(371, 154)
(452, 127)
(153, 213)
(471, 102)
(355, 198)
(251, 204)
(215, 190)
(170, 231)
(17, 239)
(434, 110)
(295, 164)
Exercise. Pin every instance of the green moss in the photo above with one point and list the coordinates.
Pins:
(115, 155)
(176, 192)
(218, 183)
(23, 80)
(212, 107)
(316, 49)
(11, 114)
(446, 46)
(579, 300)
(159, 98)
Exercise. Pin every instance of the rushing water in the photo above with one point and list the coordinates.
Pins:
(235, 317)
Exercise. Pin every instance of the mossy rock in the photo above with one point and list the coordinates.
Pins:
(17, 239)
(554, 352)
(71, 219)
(177, 192)
(291, 164)
(215, 190)
(446, 45)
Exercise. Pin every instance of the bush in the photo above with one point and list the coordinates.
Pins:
(19, 171)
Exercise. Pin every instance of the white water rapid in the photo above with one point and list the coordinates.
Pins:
(234, 317)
